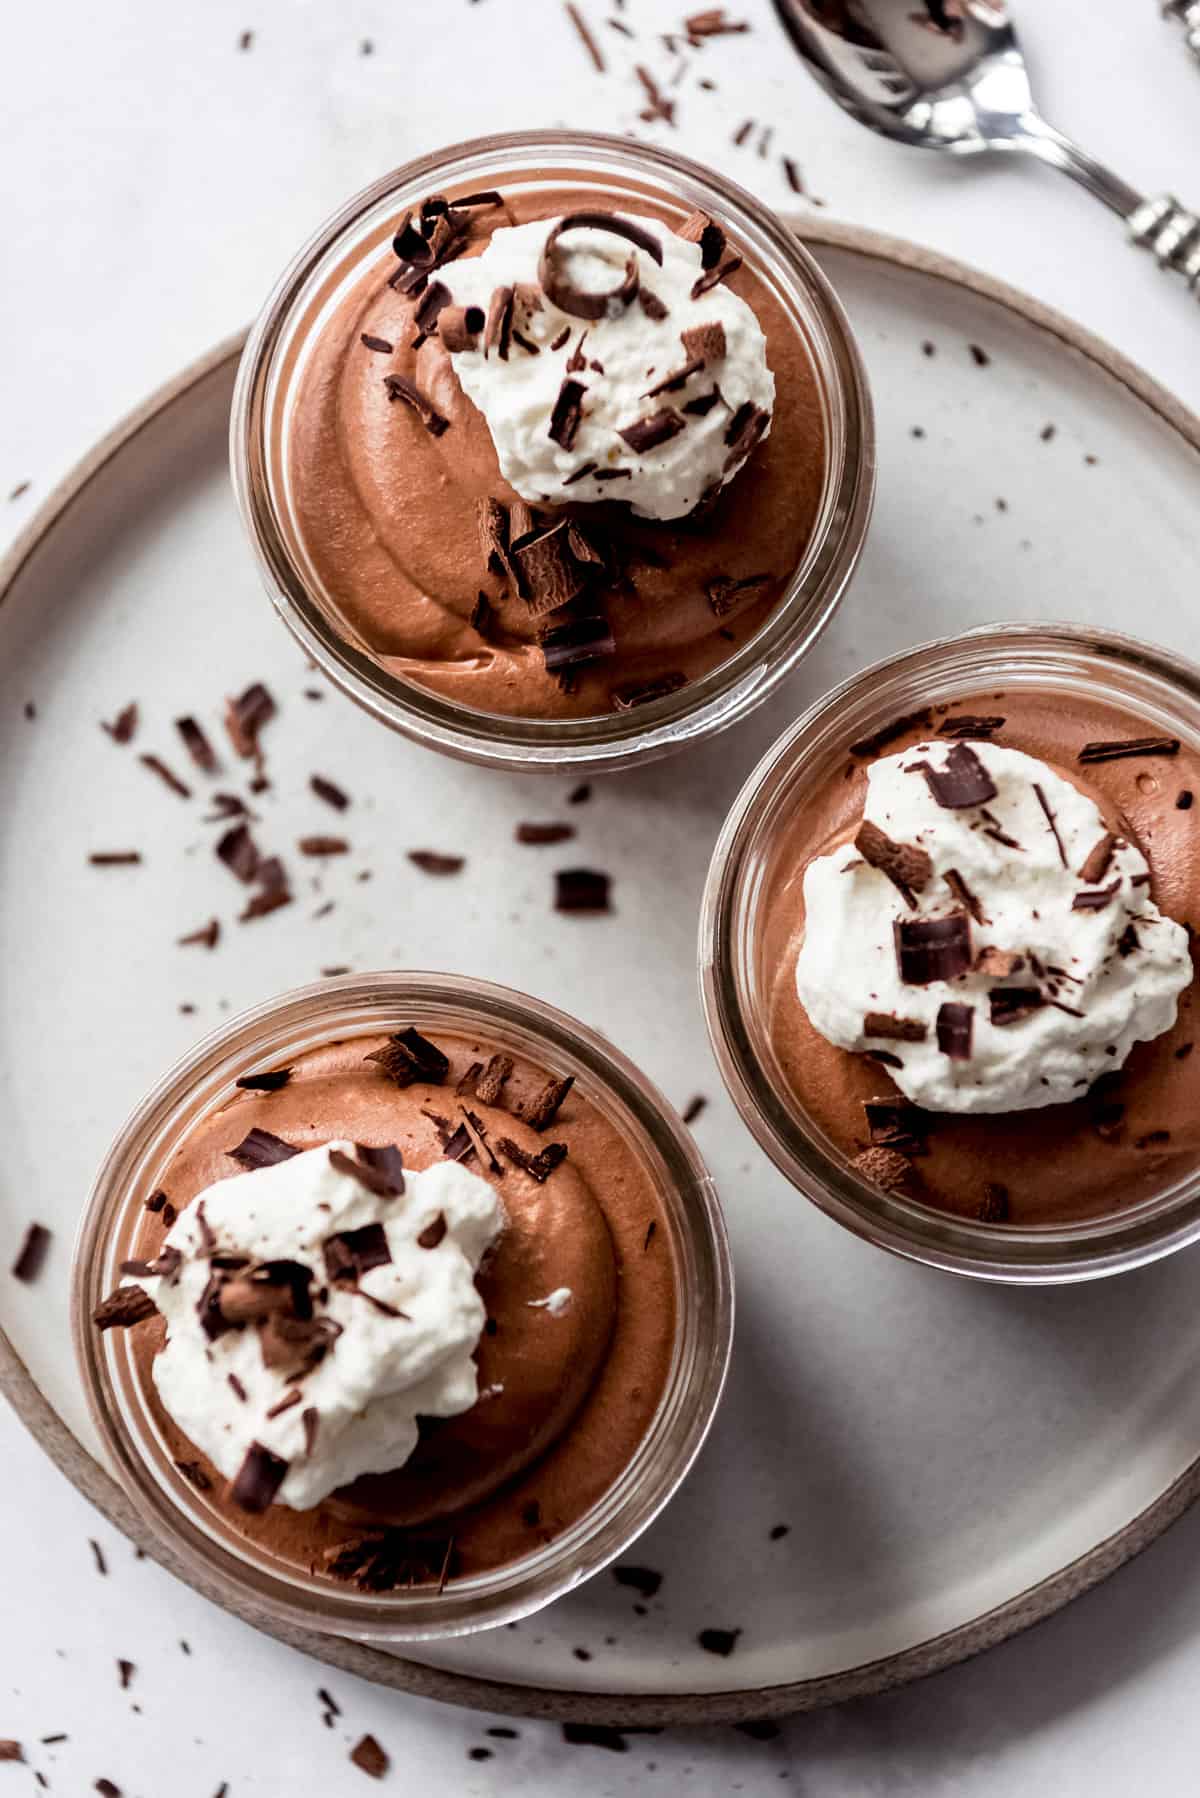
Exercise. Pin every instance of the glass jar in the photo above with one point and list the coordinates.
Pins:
(1097, 667)
(213, 1554)
(620, 173)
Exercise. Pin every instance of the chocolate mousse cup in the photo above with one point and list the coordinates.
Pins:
(365, 515)
(608, 1298)
(1062, 1192)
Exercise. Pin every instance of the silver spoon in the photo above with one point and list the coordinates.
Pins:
(1188, 14)
(949, 75)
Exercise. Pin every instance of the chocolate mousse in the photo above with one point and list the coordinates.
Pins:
(552, 458)
(978, 952)
(403, 1310)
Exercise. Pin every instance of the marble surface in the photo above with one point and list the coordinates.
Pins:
(136, 236)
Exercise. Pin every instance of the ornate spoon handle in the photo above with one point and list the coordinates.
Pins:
(1188, 13)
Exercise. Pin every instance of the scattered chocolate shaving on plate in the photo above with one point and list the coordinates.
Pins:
(1096, 900)
(260, 1148)
(399, 387)
(648, 433)
(567, 414)
(326, 789)
(123, 726)
(323, 846)
(1009, 1004)
(125, 1673)
(581, 890)
(658, 105)
(207, 937)
(907, 867)
(98, 1556)
(929, 949)
(237, 849)
(712, 23)
(259, 1479)
(31, 1257)
(408, 1056)
(544, 833)
(969, 724)
(979, 356)
(993, 1207)
(247, 716)
(887, 1025)
(955, 1024)
(634, 693)
(1052, 821)
(115, 858)
(1130, 746)
(431, 861)
(196, 742)
(1098, 860)
(961, 781)
(585, 36)
(718, 1641)
(124, 1307)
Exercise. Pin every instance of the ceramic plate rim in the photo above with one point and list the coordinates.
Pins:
(615, 1707)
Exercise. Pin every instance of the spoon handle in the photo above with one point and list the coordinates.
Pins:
(1159, 224)
(1188, 14)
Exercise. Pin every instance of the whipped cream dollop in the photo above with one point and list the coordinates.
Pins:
(311, 1319)
(658, 402)
(986, 934)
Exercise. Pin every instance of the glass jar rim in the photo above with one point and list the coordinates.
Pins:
(702, 707)
(360, 1004)
(1035, 654)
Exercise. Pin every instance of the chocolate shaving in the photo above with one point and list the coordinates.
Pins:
(530, 348)
(889, 1169)
(550, 577)
(567, 414)
(407, 1056)
(577, 642)
(124, 1307)
(613, 474)
(543, 1107)
(1009, 1004)
(652, 306)
(197, 744)
(1098, 860)
(492, 518)
(963, 894)
(246, 716)
(164, 1266)
(704, 343)
(1130, 746)
(473, 1126)
(259, 1479)
(580, 302)
(310, 1419)
(701, 406)
(321, 846)
(581, 890)
(724, 593)
(269, 1082)
(124, 725)
(31, 1257)
(908, 868)
(1127, 942)
(380, 344)
(195, 1475)
(580, 474)
(929, 949)
(431, 861)
(157, 766)
(459, 327)
(237, 849)
(969, 724)
(286, 1403)
(433, 301)
(399, 387)
(962, 781)
(115, 858)
(296, 1343)
(1052, 822)
(648, 433)
(585, 36)
(539, 1167)
(261, 1149)
(490, 1085)
(867, 747)
(497, 330)
(699, 228)
(746, 436)
(352, 1253)
(1096, 901)
(634, 693)
(888, 1025)
(208, 936)
(954, 1028)
(679, 377)
(715, 276)
(433, 1233)
(539, 834)
(387, 1166)
(897, 1124)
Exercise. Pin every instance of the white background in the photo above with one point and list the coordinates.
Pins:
(156, 177)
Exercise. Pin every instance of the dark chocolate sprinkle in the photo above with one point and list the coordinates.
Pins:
(259, 1479)
(1098, 859)
(431, 861)
(269, 1082)
(352, 1253)
(648, 433)
(331, 794)
(969, 724)
(1097, 900)
(409, 1056)
(376, 343)
(399, 387)
(261, 1149)
(718, 1641)
(577, 642)
(1130, 746)
(929, 949)
(126, 1306)
(544, 833)
(897, 1124)
(961, 781)
(887, 1025)
(633, 693)
(963, 894)
(1051, 821)
(1009, 1004)
(954, 1028)
(905, 865)
(32, 1255)
(124, 725)
(643, 1580)
(433, 1233)
(567, 414)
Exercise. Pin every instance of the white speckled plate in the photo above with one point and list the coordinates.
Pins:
(950, 1462)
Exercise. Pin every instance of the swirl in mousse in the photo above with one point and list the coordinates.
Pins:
(403, 1310)
(556, 459)
(981, 996)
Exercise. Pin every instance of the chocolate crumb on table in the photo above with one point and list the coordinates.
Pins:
(370, 1757)
(32, 1256)
(595, 1735)
(430, 861)
(582, 890)
(694, 1107)
(124, 725)
(539, 834)
(115, 858)
(718, 1641)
